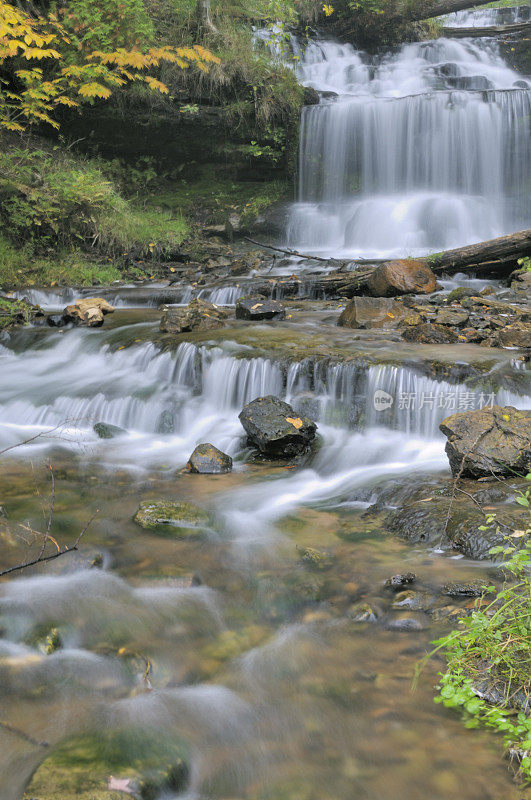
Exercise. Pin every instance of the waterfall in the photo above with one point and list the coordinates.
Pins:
(419, 151)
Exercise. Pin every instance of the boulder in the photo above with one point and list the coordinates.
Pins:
(106, 431)
(208, 460)
(89, 312)
(274, 428)
(255, 308)
(458, 294)
(178, 520)
(399, 581)
(489, 441)
(451, 316)
(198, 315)
(404, 276)
(428, 333)
(372, 312)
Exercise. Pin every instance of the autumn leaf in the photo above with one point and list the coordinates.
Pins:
(295, 421)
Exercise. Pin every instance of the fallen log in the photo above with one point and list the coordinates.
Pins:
(495, 255)
(420, 11)
(493, 30)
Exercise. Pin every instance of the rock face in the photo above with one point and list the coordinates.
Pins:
(490, 440)
(199, 315)
(89, 312)
(517, 335)
(208, 460)
(107, 431)
(275, 429)
(255, 308)
(405, 276)
(371, 312)
(176, 520)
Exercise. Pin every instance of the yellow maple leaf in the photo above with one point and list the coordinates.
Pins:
(295, 421)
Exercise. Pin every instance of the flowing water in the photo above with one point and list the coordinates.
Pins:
(258, 675)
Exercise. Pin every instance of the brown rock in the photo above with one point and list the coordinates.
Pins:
(405, 276)
(372, 312)
(517, 335)
(89, 311)
(427, 333)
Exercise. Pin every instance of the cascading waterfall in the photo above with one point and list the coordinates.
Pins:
(424, 150)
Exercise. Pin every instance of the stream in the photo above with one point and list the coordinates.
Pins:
(261, 677)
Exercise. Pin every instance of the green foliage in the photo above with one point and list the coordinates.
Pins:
(525, 263)
(492, 648)
(50, 200)
(107, 24)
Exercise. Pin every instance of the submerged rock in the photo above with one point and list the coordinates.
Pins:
(372, 312)
(255, 308)
(489, 441)
(473, 588)
(179, 520)
(199, 315)
(399, 581)
(89, 312)
(275, 429)
(106, 431)
(208, 460)
(404, 276)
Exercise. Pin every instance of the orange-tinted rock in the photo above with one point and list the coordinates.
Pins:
(404, 276)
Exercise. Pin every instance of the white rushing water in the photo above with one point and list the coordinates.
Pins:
(484, 17)
(418, 151)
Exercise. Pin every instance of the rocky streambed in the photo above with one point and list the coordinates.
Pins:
(250, 601)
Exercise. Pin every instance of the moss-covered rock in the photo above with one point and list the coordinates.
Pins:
(178, 520)
(17, 312)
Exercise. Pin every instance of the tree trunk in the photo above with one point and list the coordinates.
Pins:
(203, 15)
(437, 9)
(493, 254)
(495, 30)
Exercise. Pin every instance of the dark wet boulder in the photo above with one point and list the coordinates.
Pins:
(274, 428)
(15, 312)
(89, 312)
(208, 460)
(489, 441)
(58, 320)
(310, 97)
(404, 276)
(372, 312)
(255, 309)
(165, 422)
(405, 625)
(458, 294)
(177, 520)
(198, 315)
(401, 580)
(106, 431)
(428, 333)
(473, 83)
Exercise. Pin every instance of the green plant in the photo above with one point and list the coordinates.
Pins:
(525, 263)
(489, 657)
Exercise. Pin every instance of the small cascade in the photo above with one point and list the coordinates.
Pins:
(419, 151)
(485, 17)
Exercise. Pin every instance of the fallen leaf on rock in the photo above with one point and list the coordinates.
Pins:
(296, 422)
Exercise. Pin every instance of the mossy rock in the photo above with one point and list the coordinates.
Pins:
(177, 520)
(17, 312)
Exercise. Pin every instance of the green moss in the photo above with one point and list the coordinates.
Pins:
(175, 520)
(15, 312)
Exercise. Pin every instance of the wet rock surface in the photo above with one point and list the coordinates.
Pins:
(255, 308)
(489, 442)
(371, 312)
(404, 276)
(15, 312)
(198, 315)
(273, 427)
(208, 460)
(107, 431)
(89, 311)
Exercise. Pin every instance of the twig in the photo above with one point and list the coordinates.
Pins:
(50, 516)
(31, 439)
(43, 559)
(22, 735)
(288, 252)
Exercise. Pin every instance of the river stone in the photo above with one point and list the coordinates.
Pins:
(198, 315)
(489, 441)
(473, 588)
(17, 312)
(179, 520)
(451, 316)
(89, 311)
(372, 312)
(458, 294)
(107, 431)
(255, 308)
(399, 581)
(517, 335)
(413, 601)
(428, 333)
(404, 276)
(208, 460)
(275, 429)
